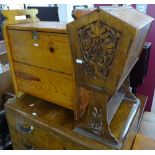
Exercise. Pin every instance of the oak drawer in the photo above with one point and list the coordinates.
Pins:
(48, 50)
(28, 134)
(52, 86)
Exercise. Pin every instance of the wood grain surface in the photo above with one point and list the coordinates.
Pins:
(49, 51)
(52, 86)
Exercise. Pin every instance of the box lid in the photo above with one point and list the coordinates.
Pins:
(47, 26)
(109, 42)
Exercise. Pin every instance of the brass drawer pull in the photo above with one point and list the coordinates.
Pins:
(51, 49)
(25, 128)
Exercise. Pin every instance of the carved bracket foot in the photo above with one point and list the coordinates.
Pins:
(96, 125)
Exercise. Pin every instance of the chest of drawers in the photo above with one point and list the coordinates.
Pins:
(37, 124)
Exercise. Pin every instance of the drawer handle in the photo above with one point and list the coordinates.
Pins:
(25, 128)
(51, 49)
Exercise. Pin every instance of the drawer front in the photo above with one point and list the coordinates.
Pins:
(45, 84)
(26, 134)
(47, 50)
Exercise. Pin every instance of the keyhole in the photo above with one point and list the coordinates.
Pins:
(51, 49)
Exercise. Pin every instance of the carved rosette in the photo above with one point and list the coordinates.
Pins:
(98, 43)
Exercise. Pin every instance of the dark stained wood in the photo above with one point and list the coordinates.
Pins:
(105, 45)
(143, 100)
(52, 126)
(143, 142)
(36, 124)
(25, 76)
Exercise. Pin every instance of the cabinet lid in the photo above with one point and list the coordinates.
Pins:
(109, 42)
(126, 14)
(46, 26)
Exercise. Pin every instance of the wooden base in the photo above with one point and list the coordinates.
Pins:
(143, 142)
(145, 139)
(36, 124)
(126, 115)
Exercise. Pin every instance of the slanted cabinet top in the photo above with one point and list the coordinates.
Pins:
(108, 43)
(130, 16)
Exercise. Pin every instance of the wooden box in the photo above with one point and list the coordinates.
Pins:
(40, 59)
(40, 54)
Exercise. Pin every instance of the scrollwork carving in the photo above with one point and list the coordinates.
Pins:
(96, 122)
(98, 43)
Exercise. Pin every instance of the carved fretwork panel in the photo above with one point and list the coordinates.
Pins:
(98, 44)
(105, 45)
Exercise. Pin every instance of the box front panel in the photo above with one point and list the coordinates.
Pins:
(51, 86)
(45, 50)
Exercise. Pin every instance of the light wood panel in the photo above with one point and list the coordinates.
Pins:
(50, 50)
(30, 16)
(143, 142)
(46, 26)
(51, 86)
